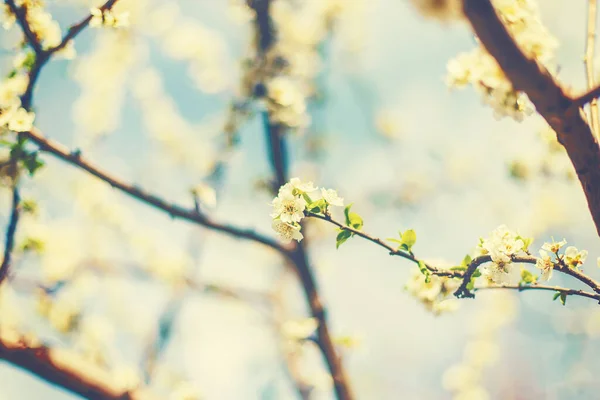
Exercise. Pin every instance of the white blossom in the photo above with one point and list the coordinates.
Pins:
(479, 69)
(502, 245)
(21, 120)
(331, 197)
(288, 208)
(574, 257)
(554, 246)
(295, 187)
(545, 264)
(287, 231)
(436, 294)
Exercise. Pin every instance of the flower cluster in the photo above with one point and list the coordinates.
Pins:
(12, 116)
(435, 293)
(480, 69)
(44, 27)
(282, 74)
(572, 258)
(501, 246)
(108, 18)
(293, 200)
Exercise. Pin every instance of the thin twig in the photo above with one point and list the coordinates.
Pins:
(174, 210)
(394, 252)
(521, 288)
(11, 230)
(589, 64)
(467, 274)
(76, 29)
(21, 15)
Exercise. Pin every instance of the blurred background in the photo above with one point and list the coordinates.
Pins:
(198, 314)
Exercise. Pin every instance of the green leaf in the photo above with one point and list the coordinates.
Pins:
(562, 296)
(32, 163)
(556, 295)
(342, 237)
(425, 271)
(526, 242)
(317, 206)
(356, 220)
(409, 238)
(29, 206)
(466, 261)
(308, 199)
(471, 284)
(353, 219)
(527, 277)
(33, 244)
(347, 213)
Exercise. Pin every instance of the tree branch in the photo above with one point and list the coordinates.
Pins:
(589, 64)
(64, 368)
(462, 291)
(521, 288)
(76, 29)
(11, 230)
(21, 15)
(587, 97)
(277, 152)
(175, 211)
(560, 111)
(393, 252)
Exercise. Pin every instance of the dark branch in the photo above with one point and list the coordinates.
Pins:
(11, 230)
(76, 29)
(21, 15)
(587, 97)
(522, 288)
(393, 252)
(175, 211)
(561, 112)
(62, 368)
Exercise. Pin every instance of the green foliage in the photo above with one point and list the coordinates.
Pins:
(32, 163)
(318, 206)
(29, 60)
(464, 264)
(309, 200)
(29, 159)
(32, 244)
(425, 271)
(466, 261)
(29, 206)
(342, 236)
(562, 296)
(471, 284)
(527, 242)
(527, 277)
(353, 219)
(407, 240)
